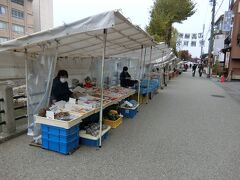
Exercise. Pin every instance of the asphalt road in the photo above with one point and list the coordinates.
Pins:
(232, 88)
(190, 131)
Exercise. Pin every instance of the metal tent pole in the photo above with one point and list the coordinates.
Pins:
(26, 76)
(139, 75)
(144, 62)
(53, 68)
(102, 86)
(149, 72)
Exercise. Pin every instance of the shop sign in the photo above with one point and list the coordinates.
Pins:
(227, 59)
(227, 21)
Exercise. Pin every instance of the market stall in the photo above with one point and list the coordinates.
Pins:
(149, 81)
(97, 37)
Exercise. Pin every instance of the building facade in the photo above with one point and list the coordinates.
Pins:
(23, 17)
(219, 37)
(234, 61)
(16, 19)
(43, 14)
(19, 18)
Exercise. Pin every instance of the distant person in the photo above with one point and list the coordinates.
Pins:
(200, 69)
(185, 67)
(88, 82)
(125, 79)
(194, 67)
(190, 65)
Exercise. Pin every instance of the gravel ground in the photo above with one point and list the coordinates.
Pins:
(190, 131)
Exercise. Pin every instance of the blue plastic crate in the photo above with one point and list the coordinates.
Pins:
(91, 142)
(59, 139)
(59, 131)
(128, 113)
(64, 148)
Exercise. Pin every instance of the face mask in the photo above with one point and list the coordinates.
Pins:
(63, 80)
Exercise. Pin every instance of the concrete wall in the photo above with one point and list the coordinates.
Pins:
(12, 67)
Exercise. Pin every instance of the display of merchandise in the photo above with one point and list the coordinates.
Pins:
(57, 114)
(77, 108)
(113, 115)
(129, 104)
(94, 128)
(64, 116)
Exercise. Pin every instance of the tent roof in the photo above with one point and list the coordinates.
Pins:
(158, 52)
(84, 38)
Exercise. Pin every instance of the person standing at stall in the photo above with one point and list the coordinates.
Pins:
(60, 89)
(125, 78)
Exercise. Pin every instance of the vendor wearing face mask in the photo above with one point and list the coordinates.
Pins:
(60, 89)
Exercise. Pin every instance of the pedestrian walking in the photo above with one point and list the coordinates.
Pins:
(200, 69)
(194, 67)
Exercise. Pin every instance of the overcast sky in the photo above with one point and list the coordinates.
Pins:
(66, 11)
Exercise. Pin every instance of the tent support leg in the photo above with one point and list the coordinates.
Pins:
(102, 86)
(139, 75)
(149, 72)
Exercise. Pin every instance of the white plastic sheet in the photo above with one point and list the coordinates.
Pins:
(40, 73)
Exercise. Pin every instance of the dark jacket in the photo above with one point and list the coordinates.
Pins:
(124, 79)
(60, 91)
(194, 67)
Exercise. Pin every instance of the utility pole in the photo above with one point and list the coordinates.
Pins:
(210, 49)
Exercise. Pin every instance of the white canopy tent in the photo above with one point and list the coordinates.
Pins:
(151, 55)
(85, 37)
(103, 35)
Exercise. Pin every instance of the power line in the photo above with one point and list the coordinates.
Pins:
(219, 7)
(206, 36)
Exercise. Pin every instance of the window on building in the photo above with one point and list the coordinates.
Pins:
(3, 39)
(21, 2)
(3, 25)
(18, 29)
(17, 14)
(3, 10)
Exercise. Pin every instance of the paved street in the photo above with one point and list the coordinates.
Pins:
(190, 131)
(232, 88)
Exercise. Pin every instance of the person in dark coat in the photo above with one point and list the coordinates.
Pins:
(200, 69)
(60, 89)
(194, 67)
(125, 78)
